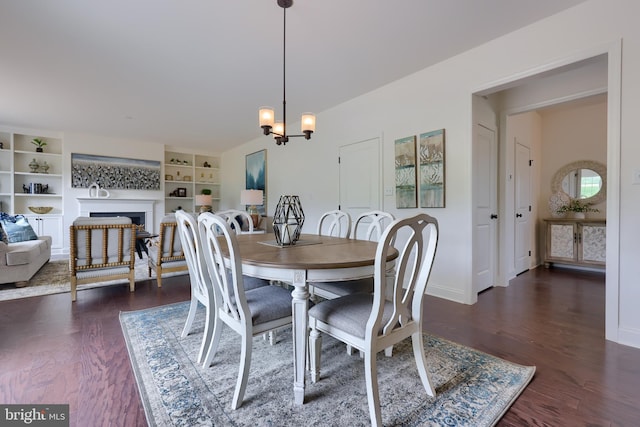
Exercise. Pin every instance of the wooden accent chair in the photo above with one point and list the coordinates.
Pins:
(371, 322)
(101, 249)
(165, 253)
(247, 312)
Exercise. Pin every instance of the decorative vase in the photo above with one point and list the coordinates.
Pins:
(556, 201)
(44, 167)
(579, 215)
(288, 220)
(33, 165)
(39, 150)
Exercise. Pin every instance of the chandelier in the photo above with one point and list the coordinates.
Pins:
(267, 116)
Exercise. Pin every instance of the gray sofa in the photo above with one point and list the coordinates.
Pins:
(20, 261)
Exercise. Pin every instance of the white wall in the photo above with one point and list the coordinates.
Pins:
(440, 97)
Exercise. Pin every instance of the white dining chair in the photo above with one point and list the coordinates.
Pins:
(368, 226)
(247, 312)
(239, 221)
(201, 286)
(334, 223)
(371, 322)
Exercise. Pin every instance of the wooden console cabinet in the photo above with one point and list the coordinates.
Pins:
(576, 242)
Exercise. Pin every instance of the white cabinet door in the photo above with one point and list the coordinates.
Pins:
(48, 226)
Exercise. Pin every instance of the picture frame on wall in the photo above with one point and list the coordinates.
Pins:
(432, 173)
(114, 172)
(405, 172)
(256, 176)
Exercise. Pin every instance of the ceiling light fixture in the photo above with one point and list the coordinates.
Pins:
(267, 116)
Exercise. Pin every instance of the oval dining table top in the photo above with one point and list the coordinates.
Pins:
(310, 252)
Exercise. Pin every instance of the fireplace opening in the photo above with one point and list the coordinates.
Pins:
(137, 218)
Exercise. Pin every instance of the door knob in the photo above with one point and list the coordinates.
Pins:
(518, 215)
(494, 216)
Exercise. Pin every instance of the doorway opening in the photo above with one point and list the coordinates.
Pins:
(586, 75)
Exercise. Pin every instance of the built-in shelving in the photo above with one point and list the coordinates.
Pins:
(32, 178)
(185, 176)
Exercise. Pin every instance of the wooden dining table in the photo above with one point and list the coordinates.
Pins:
(312, 259)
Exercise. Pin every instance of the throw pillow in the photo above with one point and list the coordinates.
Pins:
(17, 228)
(3, 235)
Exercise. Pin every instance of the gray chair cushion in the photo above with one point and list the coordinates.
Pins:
(253, 282)
(349, 313)
(363, 286)
(249, 282)
(268, 303)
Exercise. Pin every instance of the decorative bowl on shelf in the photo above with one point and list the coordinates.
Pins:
(40, 209)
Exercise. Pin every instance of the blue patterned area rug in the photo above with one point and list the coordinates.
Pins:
(472, 388)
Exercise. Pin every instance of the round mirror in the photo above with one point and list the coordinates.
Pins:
(584, 180)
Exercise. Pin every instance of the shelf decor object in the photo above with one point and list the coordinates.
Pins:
(288, 220)
(251, 198)
(40, 210)
(34, 165)
(39, 143)
(266, 114)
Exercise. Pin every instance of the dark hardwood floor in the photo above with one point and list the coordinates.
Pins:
(53, 351)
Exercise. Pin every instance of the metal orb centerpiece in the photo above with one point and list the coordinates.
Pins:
(288, 220)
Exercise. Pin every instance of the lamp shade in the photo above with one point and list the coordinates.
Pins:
(203, 199)
(266, 116)
(251, 197)
(278, 129)
(308, 123)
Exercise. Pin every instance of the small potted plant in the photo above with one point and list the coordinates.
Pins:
(578, 208)
(39, 143)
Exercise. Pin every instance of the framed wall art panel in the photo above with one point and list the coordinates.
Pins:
(256, 176)
(431, 154)
(405, 169)
(114, 172)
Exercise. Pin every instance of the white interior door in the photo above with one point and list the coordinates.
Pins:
(522, 232)
(360, 179)
(485, 191)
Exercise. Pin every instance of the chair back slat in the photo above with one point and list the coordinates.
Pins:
(231, 216)
(335, 223)
(411, 274)
(192, 249)
(375, 221)
(215, 232)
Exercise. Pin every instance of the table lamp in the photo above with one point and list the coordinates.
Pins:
(252, 198)
(204, 201)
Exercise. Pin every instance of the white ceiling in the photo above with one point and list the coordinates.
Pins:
(194, 72)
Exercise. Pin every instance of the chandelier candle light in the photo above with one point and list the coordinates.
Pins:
(252, 198)
(266, 114)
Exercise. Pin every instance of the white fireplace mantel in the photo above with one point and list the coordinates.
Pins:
(102, 204)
